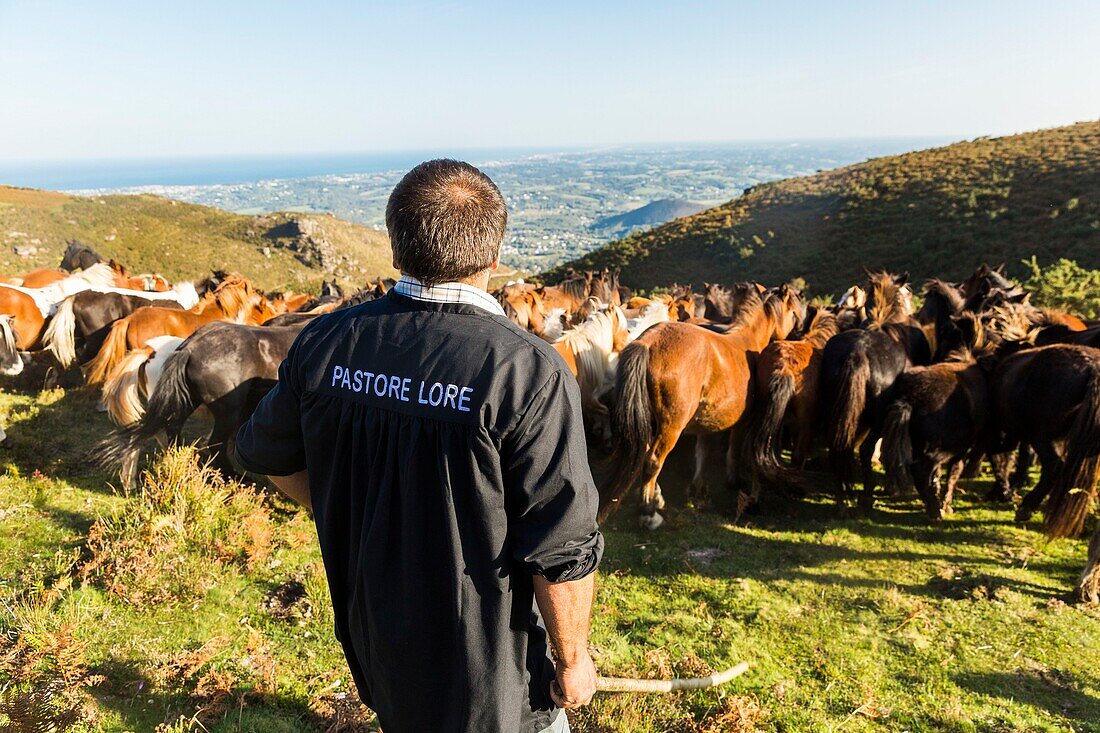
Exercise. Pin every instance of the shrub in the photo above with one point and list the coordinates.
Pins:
(1065, 285)
(185, 524)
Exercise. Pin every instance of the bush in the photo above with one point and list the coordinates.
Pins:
(1066, 286)
(186, 523)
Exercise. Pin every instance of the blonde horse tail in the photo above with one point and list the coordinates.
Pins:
(125, 389)
(60, 336)
(110, 354)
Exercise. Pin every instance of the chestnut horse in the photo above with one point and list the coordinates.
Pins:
(788, 375)
(679, 378)
(234, 300)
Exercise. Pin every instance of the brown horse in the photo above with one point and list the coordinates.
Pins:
(788, 375)
(234, 300)
(21, 326)
(679, 378)
(24, 316)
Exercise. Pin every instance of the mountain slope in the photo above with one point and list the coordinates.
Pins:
(184, 241)
(653, 213)
(934, 212)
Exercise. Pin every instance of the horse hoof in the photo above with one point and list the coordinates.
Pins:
(652, 521)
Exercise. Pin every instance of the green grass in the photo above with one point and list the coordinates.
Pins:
(937, 212)
(158, 608)
(184, 241)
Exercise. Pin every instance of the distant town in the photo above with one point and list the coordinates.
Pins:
(562, 204)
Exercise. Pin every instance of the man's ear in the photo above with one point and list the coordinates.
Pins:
(496, 264)
(395, 265)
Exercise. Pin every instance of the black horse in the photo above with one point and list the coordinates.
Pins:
(1049, 398)
(859, 368)
(227, 367)
(78, 256)
(939, 414)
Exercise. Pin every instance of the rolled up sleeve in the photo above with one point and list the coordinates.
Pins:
(551, 496)
(270, 442)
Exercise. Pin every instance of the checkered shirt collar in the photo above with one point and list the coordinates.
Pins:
(452, 292)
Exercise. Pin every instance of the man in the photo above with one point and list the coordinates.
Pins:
(442, 453)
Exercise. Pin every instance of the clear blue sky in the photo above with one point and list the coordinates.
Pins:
(105, 79)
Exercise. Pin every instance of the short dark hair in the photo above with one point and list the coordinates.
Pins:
(446, 221)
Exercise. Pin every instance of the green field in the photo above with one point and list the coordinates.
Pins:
(195, 605)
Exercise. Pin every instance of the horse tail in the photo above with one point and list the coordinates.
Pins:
(169, 406)
(124, 389)
(764, 433)
(897, 445)
(851, 398)
(60, 336)
(1074, 489)
(631, 424)
(110, 353)
(11, 363)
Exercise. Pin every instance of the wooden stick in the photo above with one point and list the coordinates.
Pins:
(620, 684)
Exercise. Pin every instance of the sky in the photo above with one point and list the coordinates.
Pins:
(101, 79)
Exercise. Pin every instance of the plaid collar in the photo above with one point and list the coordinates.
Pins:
(410, 287)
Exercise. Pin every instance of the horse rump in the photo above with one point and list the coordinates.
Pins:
(631, 425)
(168, 408)
(1074, 487)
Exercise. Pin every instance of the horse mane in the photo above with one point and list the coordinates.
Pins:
(936, 288)
(1013, 322)
(575, 287)
(823, 326)
(235, 294)
(976, 344)
(886, 292)
(750, 306)
(101, 274)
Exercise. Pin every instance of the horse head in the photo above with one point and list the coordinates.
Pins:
(889, 300)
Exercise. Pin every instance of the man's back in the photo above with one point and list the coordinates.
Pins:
(446, 467)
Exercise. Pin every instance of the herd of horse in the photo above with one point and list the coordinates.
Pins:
(976, 373)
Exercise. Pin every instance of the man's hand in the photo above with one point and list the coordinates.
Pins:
(575, 682)
(566, 608)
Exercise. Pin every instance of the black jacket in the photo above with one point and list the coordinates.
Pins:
(447, 465)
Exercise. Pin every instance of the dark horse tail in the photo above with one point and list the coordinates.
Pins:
(631, 425)
(848, 406)
(897, 445)
(169, 406)
(764, 435)
(1075, 487)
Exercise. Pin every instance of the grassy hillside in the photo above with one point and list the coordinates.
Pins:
(182, 241)
(932, 212)
(193, 605)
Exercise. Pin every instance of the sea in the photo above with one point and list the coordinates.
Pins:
(79, 175)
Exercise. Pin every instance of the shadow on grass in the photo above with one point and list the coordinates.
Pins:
(219, 702)
(1052, 690)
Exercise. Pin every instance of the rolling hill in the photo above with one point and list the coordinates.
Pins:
(935, 212)
(184, 241)
(652, 214)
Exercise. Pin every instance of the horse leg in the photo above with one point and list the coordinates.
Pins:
(697, 489)
(652, 499)
(1025, 459)
(925, 477)
(1051, 465)
(1002, 464)
(954, 473)
(866, 456)
(1088, 587)
(973, 465)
